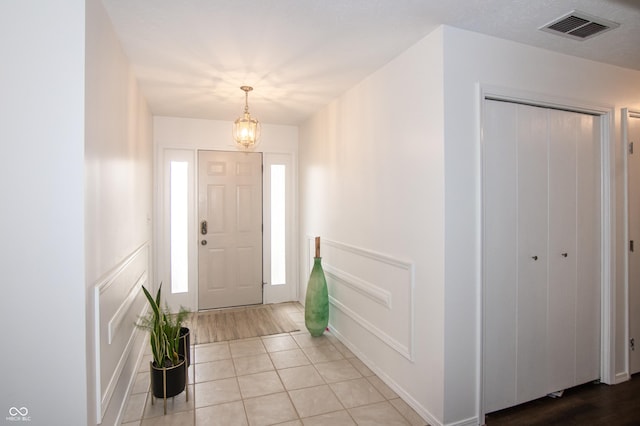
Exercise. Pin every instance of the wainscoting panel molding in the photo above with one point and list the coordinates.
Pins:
(372, 289)
(120, 315)
(118, 303)
(367, 289)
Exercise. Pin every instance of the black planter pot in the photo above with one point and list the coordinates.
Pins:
(169, 381)
(185, 344)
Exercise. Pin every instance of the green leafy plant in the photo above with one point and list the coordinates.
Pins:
(164, 329)
(172, 326)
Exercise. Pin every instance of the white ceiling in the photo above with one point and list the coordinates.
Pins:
(191, 56)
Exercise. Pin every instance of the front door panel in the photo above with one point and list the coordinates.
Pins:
(230, 229)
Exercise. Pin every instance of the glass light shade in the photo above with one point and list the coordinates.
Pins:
(246, 131)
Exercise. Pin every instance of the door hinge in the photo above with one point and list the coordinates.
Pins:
(632, 344)
(631, 246)
(631, 148)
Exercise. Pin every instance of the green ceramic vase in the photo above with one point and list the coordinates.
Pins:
(316, 307)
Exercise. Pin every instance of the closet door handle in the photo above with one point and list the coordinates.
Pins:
(534, 257)
(565, 254)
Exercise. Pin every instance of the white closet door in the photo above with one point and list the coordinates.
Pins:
(500, 248)
(542, 252)
(588, 249)
(561, 350)
(532, 253)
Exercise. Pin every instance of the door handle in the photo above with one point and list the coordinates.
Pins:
(203, 227)
(565, 254)
(203, 242)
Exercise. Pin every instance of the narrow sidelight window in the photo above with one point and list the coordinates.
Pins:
(278, 249)
(179, 227)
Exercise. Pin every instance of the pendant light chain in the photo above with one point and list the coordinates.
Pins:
(246, 90)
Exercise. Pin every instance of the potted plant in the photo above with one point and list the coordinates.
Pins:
(169, 346)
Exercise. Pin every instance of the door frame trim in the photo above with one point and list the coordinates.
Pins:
(608, 222)
(624, 123)
(188, 134)
(162, 239)
(288, 291)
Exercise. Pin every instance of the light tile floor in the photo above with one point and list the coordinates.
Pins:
(286, 379)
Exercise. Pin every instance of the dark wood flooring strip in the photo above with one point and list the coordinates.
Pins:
(589, 404)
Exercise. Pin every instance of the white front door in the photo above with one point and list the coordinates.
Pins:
(633, 136)
(230, 229)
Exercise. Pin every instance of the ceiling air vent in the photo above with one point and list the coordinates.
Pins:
(579, 25)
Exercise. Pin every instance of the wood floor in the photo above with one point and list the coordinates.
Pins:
(590, 404)
(241, 323)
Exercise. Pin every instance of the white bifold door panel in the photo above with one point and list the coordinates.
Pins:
(633, 161)
(533, 260)
(230, 229)
(541, 245)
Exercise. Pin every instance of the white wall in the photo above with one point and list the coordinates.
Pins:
(183, 137)
(372, 169)
(118, 150)
(372, 183)
(118, 211)
(42, 308)
(471, 59)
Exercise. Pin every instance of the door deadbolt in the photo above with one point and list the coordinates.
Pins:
(203, 227)
(203, 242)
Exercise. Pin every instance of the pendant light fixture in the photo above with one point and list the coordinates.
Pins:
(246, 129)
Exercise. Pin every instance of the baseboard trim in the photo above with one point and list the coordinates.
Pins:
(406, 397)
(471, 421)
(622, 377)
